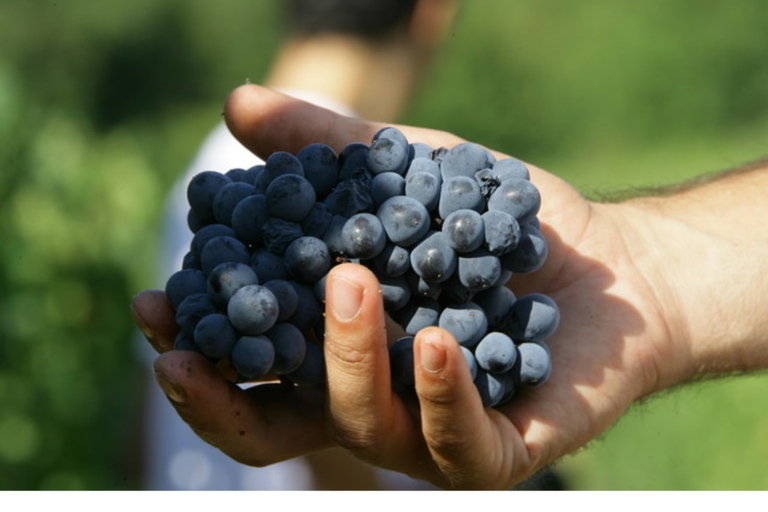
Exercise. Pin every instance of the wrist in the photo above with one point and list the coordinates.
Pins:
(707, 283)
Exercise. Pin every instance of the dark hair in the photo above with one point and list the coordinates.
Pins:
(371, 19)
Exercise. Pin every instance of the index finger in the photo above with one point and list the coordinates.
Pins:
(153, 314)
(265, 121)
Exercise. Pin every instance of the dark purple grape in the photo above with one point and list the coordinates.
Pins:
(533, 317)
(253, 309)
(363, 236)
(321, 167)
(280, 163)
(227, 198)
(501, 232)
(478, 270)
(226, 278)
(307, 259)
(287, 298)
(534, 365)
(531, 252)
(290, 347)
(290, 197)
(496, 352)
(248, 218)
(192, 309)
(387, 155)
(184, 283)
(215, 336)
(201, 191)
(459, 193)
(511, 168)
(223, 249)
(465, 159)
(465, 230)
(467, 323)
(252, 356)
(405, 220)
(433, 258)
(517, 197)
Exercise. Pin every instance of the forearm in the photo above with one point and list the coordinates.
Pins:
(705, 249)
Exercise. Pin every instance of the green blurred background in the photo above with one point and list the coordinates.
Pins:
(102, 105)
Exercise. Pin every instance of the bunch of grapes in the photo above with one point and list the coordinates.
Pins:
(442, 229)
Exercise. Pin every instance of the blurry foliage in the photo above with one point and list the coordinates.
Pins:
(102, 104)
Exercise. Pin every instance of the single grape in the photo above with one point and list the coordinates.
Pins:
(192, 309)
(215, 336)
(287, 298)
(223, 249)
(433, 258)
(252, 356)
(253, 309)
(184, 283)
(501, 232)
(363, 236)
(395, 291)
(467, 323)
(227, 198)
(277, 234)
(290, 197)
(392, 261)
(248, 218)
(531, 252)
(307, 259)
(280, 163)
(533, 317)
(534, 365)
(386, 185)
(321, 167)
(405, 220)
(425, 188)
(352, 195)
(351, 158)
(465, 230)
(290, 347)
(206, 234)
(201, 191)
(496, 352)
(387, 155)
(458, 193)
(417, 314)
(226, 278)
(490, 386)
(517, 197)
(268, 265)
(465, 159)
(511, 168)
(496, 302)
(478, 270)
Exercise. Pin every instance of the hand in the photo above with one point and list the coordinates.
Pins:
(613, 345)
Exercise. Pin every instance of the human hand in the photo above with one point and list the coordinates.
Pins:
(612, 347)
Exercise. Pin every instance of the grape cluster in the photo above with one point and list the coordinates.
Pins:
(442, 229)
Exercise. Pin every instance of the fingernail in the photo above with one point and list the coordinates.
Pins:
(142, 324)
(431, 356)
(347, 297)
(172, 390)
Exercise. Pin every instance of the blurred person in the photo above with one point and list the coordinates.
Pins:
(655, 292)
(354, 57)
